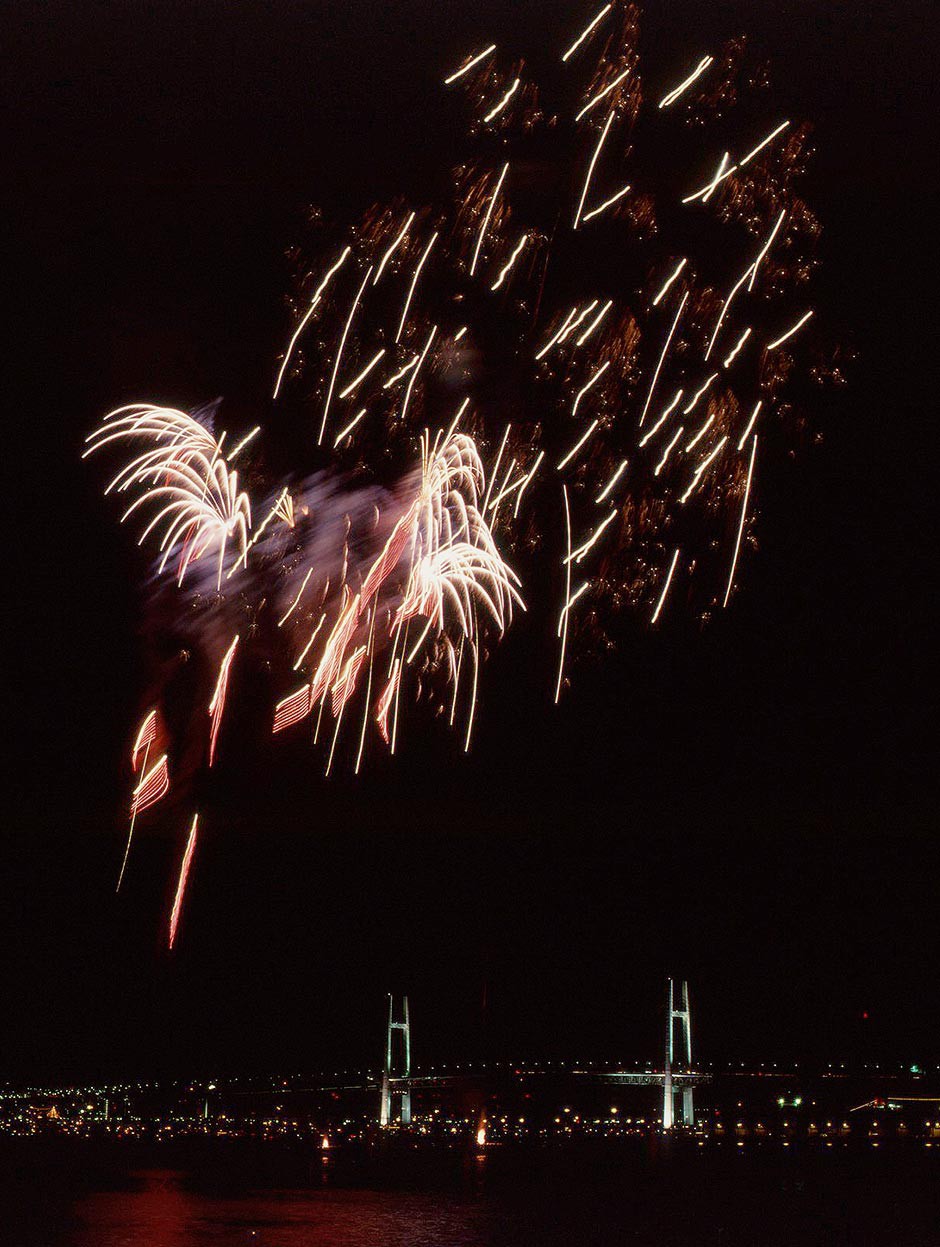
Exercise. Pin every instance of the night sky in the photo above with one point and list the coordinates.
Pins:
(752, 805)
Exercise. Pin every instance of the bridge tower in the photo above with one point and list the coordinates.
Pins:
(677, 1013)
(404, 1094)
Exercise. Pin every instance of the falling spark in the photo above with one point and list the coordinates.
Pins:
(678, 269)
(578, 444)
(672, 330)
(401, 372)
(290, 610)
(557, 336)
(217, 704)
(750, 424)
(562, 630)
(300, 328)
(486, 218)
(475, 60)
(737, 543)
(589, 385)
(509, 263)
(183, 877)
(701, 433)
(700, 470)
(587, 30)
(590, 172)
(662, 596)
(734, 354)
(344, 432)
(595, 322)
(151, 788)
(606, 204)
(763, 143)
(249, 437)
(582, 550)
(339, 353)
(306, 649)
(362, 375)
(392, 249)
(494, 112)
(602, 94)
(684, 85)
(766, 247)
(772, 346)
(662, 419)
(532, 472)
(460, 332)
(612, 482)
(414, 375)
(414, 282)
(722, 173)
(697, 395)
(666, 453)
(565, 333)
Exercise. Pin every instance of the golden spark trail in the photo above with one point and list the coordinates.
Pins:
(595, 322)
(509, 263)
(414, 375)
(349, 427)
(306, 649)
(662, 596)
(582, 550)
(494, 112)
(606, 204)
(668, 451)
(762, 144)
(672, 330)
(678, 269)
(362, 375)
(772, 346)
(697, 395)
(578, 444)
(612, 482)
(589, 385)
(750, 424)
(562, 630)
(700, 470)
(401, 372)
(470, 64)
(696, 73)
(392, 249)
(734, 354)
(283, 619)
(587, 30)
(701, 433)
(737, 543)
(486, 219)
(590, 172)
(602, 94)
(662, 419)
(414, 282)
(300, 328)
(339, 353)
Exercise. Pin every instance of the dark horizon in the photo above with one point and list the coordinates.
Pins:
(749, 805)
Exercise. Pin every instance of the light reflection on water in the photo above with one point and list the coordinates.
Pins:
(651, 1196)
(163, 1213)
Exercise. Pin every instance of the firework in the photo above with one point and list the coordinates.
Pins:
(455, 400)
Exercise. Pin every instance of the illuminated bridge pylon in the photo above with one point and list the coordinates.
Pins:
(678, 1014)
(396, 1084)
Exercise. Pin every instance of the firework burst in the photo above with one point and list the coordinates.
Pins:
(599, 333)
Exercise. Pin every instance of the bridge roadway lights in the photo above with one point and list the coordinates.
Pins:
(404, 1091)
(682, 1015)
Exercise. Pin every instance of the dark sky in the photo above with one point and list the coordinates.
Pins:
(753, 805)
